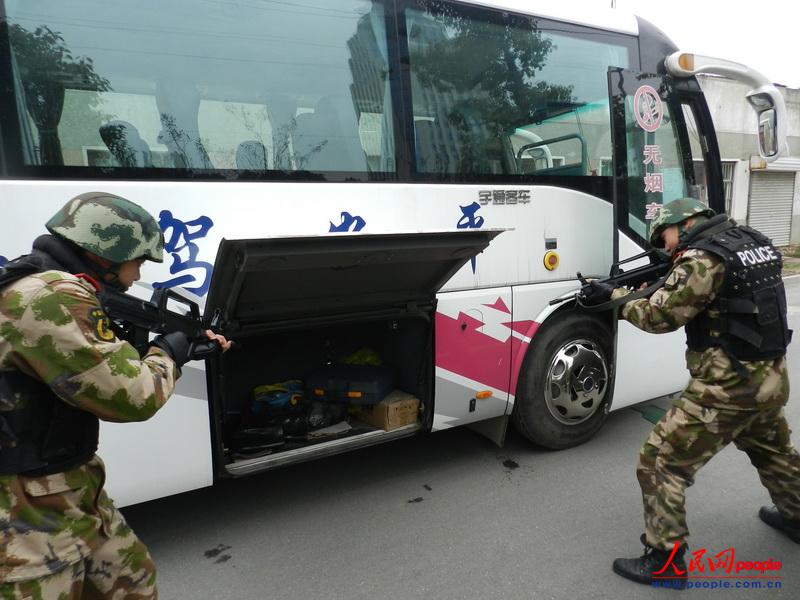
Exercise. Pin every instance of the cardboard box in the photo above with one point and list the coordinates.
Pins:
(398, 409)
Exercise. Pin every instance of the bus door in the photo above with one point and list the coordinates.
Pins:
(664, 149)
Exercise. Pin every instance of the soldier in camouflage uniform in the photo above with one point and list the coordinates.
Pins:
(725, 287)
(62, 368)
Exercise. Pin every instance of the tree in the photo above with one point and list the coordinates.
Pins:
(486, 73)
(47, 68)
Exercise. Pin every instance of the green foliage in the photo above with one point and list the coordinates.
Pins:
(44, 59)
(489, 69)
(494, 66)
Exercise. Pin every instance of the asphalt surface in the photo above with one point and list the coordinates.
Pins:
(452, 516)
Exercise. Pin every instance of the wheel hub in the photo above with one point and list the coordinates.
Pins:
(577, 379)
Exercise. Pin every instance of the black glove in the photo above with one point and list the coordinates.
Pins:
(177, 345)
(597, 292)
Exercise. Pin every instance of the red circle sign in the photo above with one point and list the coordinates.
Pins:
(647, 108)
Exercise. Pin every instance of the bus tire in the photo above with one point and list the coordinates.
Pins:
(564, 386)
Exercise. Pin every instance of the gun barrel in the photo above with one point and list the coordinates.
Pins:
(148, 315)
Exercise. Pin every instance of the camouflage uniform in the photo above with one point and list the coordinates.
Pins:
(60, 535)
(717, 407)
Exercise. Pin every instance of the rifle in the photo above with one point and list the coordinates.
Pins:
(653, 274)
(133, 319)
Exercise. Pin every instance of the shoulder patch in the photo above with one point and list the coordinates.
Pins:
(101, 324)
(53, 276)
(701, 255)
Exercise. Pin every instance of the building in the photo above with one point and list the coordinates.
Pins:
(764, 195)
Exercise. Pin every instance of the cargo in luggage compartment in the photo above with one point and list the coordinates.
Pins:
(397, 410)
(350, 384)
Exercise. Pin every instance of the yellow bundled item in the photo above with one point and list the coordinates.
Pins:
(363, 356)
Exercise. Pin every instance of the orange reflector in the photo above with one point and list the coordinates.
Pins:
(482, 395)
(550, 260)
(319, 392)
(686, 62)
(354, 394)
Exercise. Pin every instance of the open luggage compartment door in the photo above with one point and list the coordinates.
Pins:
(261, 282)
(329, 328)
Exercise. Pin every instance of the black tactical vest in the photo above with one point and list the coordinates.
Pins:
(40, 434)
(752, 323)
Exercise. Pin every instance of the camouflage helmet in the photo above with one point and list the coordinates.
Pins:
(676, 212)
(110, 227)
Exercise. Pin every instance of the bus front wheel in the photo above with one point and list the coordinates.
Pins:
(562, 394)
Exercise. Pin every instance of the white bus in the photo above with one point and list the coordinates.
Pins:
(326, 173)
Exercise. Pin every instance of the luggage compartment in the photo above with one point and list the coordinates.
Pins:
(402, 342)
(310, 313)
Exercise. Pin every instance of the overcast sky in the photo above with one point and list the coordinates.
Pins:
(763, 34)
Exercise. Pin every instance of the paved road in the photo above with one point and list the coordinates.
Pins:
(452, 516)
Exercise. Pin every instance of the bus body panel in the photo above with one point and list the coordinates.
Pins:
(167, 454)
(474, 346)
(196, 216)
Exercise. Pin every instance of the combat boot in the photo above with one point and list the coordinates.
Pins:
(772, 517)
(669, 564)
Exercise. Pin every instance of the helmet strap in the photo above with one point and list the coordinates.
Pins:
(107, 271)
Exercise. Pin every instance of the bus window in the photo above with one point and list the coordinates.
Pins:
(564, 155)
(496, 94)
(227, 89)
(656, 167)
(664, 150)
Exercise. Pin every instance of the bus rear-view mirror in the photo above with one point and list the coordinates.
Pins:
(768, 132)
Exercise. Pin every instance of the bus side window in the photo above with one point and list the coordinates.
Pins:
(562, 155)
(328, 138)
(428, 158)
(178, 107)
(125, 144)
(251, 155)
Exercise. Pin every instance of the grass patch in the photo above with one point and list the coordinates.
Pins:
(790, 251)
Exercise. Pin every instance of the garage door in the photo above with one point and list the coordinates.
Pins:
(770, 207)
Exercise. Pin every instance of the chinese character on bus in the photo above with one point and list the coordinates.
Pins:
(652, 211)
(179, 239)
(653, 182)
(652, 154)
(485, 196)
(469, 220)
(349, 223)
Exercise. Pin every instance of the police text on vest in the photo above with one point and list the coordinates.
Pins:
(757, 255)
